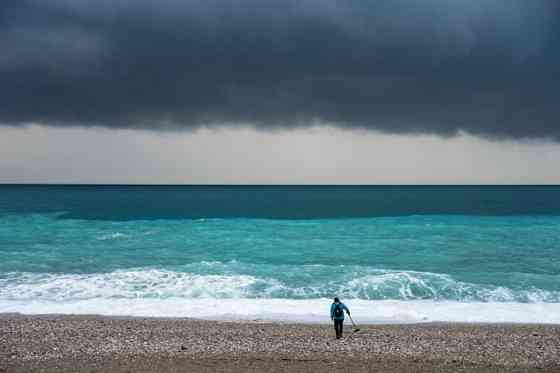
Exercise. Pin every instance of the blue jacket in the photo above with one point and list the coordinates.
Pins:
(344, 308)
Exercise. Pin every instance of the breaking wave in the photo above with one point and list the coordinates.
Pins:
(378, 296)
(163, 284)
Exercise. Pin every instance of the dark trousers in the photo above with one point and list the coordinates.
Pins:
(338, 327)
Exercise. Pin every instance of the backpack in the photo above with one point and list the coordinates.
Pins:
(338, 312)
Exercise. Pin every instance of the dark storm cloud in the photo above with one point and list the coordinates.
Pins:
(488, 67)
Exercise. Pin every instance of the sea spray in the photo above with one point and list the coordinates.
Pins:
(163, 284)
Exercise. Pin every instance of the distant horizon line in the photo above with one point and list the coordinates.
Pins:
(274, 185)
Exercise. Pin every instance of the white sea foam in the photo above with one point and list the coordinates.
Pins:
(166, 293)
(112, 236)
(412, 285)
(163, 283)
(132, 284)
(309, 310)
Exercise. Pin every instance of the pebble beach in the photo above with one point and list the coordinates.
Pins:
(111, 344)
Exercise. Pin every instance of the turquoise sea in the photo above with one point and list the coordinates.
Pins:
(392, 253)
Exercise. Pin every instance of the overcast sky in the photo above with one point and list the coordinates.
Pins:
(280, 91)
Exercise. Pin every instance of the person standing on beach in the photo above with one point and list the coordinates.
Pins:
(337, 315)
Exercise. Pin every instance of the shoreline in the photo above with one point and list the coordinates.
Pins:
(258, 321)
(306, 311)
(92, 343)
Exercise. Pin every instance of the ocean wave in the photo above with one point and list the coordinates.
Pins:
(152, 283)
(112, 236)
(410, 285)
(164, 283)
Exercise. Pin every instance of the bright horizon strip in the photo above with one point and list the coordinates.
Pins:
(320, 155)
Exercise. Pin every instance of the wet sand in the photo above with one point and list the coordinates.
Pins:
(111, 344)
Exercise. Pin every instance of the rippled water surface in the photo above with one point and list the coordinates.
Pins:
(393, 253)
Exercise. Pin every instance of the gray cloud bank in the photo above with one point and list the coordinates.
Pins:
(487, 67)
